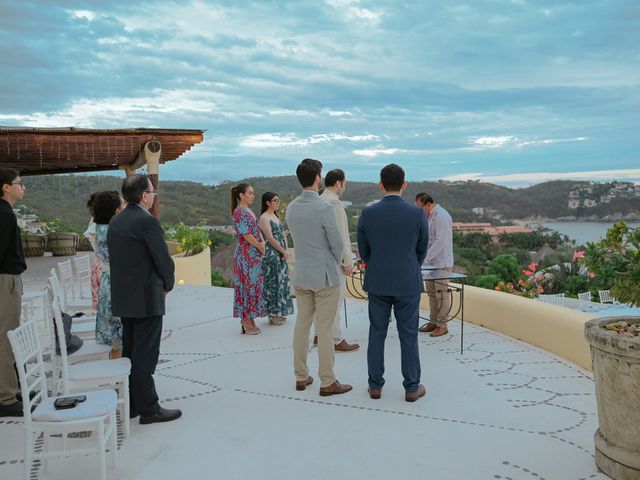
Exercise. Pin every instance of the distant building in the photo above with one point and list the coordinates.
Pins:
(605, 199)
(488, 228)
(574, 194)
(478, 210)
(588, 202)
(573, 203)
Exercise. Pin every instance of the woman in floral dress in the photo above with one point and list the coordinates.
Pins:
(275, 271)
(108, 328)
(248, 303)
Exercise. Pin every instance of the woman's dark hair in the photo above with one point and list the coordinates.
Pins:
(103, 206)
(267, 197)
(333, 176)
(235, 194)
(307, 171)
(392, 177)
(134, 186)
(424, 198)
(7, 176)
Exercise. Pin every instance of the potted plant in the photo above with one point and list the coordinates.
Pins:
(615, 356)
(61, 243)
(33, 244)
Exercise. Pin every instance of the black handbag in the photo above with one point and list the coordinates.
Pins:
(73, 341)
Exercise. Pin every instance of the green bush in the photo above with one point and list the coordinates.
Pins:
(506, 267)
(217, 280)
(193, 240)
(487, 281)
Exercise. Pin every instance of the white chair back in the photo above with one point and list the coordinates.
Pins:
(605, 296)
(584, 297)
(66, 282)
(554, 299)
(82, 264)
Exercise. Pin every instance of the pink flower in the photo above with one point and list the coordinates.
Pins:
(521, 282)
(497, 288)
(577, 255)
(527, 273)
(591, 275)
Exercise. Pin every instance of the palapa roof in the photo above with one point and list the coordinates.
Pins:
(38, 151)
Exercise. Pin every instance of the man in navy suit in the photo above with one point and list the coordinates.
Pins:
(392, 240)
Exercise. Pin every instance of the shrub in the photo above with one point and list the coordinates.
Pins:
(506, 267)
(193, 240)
(487, 281)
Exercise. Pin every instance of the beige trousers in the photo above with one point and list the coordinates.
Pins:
(439, 300)
(337, 331)
(10, 309)
(321, 304)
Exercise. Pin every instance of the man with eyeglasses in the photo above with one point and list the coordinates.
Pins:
(12, 264)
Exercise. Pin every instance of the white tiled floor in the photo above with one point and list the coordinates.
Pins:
(503, 410)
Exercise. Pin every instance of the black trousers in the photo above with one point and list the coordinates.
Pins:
(141, 344)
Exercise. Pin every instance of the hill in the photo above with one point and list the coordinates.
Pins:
(65, 196)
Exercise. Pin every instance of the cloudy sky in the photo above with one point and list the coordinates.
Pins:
(506, 91)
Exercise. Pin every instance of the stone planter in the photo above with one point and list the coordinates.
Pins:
(62, 244)
(84, 245)
(33, 244)
(616, 370)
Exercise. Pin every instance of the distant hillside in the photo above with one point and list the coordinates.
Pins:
(65, 196)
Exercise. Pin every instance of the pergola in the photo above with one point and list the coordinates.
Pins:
(42, 151)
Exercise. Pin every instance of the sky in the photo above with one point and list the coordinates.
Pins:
(512, 92)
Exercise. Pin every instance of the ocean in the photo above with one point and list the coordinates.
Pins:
(583, 232)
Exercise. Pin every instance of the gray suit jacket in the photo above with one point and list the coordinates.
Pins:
(317, 241)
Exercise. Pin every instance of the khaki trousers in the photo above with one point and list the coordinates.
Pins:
(10, 309)
(439, 300)
(337, 331)
(321, 304)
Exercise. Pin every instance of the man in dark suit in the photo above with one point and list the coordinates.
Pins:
(142, 272)
(392, 240)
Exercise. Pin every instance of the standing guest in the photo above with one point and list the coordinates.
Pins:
(248, 303)
(90, 233)
(318, 244)
(108, 328)
(440, 256)
(12, 264)
(142, 273)
(275, 271)
(336, 184)
(392, 240)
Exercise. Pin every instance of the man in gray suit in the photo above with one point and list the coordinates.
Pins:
(318, 253)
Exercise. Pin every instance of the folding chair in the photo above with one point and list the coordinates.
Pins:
(84, 326)
(605, 296)
(72, 300)
(82, 266)
(584, 297)
(97, 414)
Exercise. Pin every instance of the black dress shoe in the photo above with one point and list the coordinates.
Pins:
(12, 410)
(134, 413)
(19, 396)
(161, 415)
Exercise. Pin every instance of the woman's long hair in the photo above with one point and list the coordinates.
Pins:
(235, 194)
(267, 197)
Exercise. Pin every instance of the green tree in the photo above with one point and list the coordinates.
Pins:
(487, 281)
(506, 267)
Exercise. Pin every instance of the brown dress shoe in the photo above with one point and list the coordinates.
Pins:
(315, 341)
(302, 384)
(438, 332)
(336, 388)
(427, 327)
(413, 396)
(345, 346)
(375, 393)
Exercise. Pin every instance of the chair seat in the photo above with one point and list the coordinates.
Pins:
(83, 327)
(97, 404)
(100, 369)
(80, 304)
(90, 347)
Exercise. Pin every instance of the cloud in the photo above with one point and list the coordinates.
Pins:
(280, 140)
(537, 177)
(515, 142)
(376, 151)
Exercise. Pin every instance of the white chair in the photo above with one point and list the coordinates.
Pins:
(84, 326)
(72, 300)
(584, 297)
(554, 299)
(605, 296)
(97, 414)
(82, 265)
(93, 375)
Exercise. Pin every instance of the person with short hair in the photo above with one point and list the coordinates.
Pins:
(275, 271)
(12, 264)
(336, 184)
(392, 240)
(248, 302)
(142, 273)
(104, 206)
(318, 249)
(440, 256)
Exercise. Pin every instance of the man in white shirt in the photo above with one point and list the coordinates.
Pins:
(336, 183)
(440, 256)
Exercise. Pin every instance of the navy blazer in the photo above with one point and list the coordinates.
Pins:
(141, 268)
(393, 236)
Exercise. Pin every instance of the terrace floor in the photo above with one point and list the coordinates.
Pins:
(502, 410)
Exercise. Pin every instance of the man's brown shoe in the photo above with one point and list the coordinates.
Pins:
(427, 327)
(315, 341)
(375, 393)
(302, 384)
(336, 388)
(413, 396)
(438, 332)
(345, 346)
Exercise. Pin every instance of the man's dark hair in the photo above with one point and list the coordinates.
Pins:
(333, 176)
(103, 206)
(424, 198)
(392, 177)
(134, 186)
(307, 171)
(7, 176)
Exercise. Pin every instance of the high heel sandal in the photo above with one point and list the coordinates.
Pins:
(249, 329)
(276, 320)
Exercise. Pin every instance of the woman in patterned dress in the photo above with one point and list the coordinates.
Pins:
(108, 328)
(275, 272)
(248, 303)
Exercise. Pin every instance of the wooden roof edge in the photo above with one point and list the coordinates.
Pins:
(97, 131)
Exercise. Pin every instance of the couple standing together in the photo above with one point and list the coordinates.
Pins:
(392, 240)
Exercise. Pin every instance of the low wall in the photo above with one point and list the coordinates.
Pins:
(194, 270)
